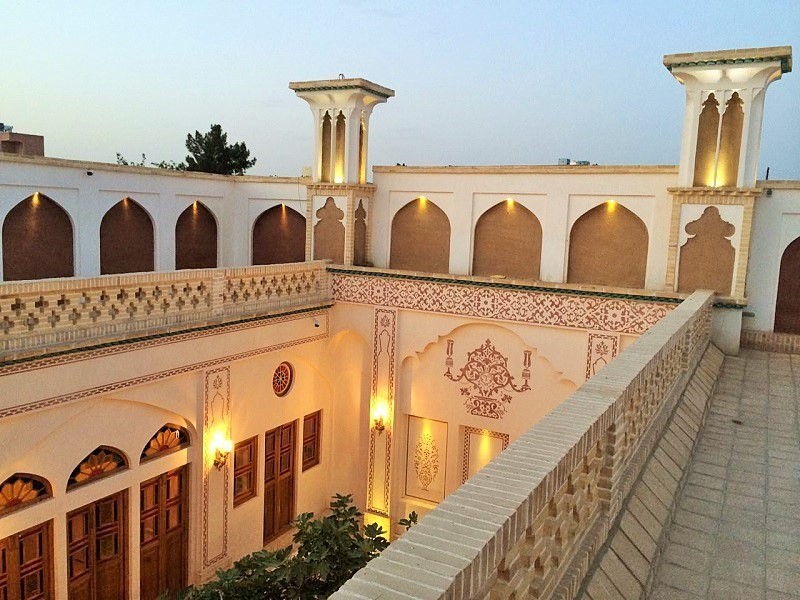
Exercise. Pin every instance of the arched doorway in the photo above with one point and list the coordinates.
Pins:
(420, 238)
(787, 306)
(37, 240)
(126, 239)
(608, 246)
(279, 236)
(196, 238)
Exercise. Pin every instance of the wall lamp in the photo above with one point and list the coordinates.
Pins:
(222, 447)
(379, 416)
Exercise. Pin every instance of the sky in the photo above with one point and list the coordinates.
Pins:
(477, 83)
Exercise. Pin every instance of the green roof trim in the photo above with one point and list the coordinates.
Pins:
(784, 60)
(333, 88)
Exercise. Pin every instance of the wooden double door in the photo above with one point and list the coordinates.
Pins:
(164, 534)
(96, 549)
(26, 564)
(279, 480)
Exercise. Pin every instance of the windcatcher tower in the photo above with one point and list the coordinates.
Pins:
(339, 197)
(713, 204)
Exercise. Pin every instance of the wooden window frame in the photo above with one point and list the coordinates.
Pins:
(252, 468)
(314, 438)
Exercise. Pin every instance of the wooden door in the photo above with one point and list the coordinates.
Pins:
(26, 564)
(787, 306)
(96, 550)
(279, 460)
(164, 534)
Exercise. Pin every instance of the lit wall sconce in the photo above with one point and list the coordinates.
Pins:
(380, 416)
(221, 446)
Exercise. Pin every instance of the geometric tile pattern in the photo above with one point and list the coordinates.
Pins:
(528, 306)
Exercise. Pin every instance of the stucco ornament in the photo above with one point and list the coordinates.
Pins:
(486, 372)
(426, 460)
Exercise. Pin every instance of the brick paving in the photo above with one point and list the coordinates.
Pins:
(736, 530)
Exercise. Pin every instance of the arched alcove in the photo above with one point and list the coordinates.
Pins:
(166, 440)
(707, 258)
(420, 238)
(338, 171)
(325, 158)
(126, 239)
(508, 241)
(37, 240)
(196, 238)
(360, 235)
(730, 142)
(706, 151)
(608, 246)
(787, 306)
(279, 236)
(329, 233)
(362, 152)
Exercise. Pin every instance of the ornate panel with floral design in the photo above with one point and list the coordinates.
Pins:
(21, 490)
(602, 347)
(426, 458)
(102, 462)
(167, 439)
(479, 447)
(488, 379)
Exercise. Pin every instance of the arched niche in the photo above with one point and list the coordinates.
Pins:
(338, 170)
(707, 258)
(787, 305)
(279, 236)
(360, 235)
(325, 157)
(329, 233)
(166, 440)
(102, 462)
(420, 238)
(706, 149)
(22, 490)
(37, 240)
(608, 246)
(127, 241)
(196, 238)
(730, 142)
(508, 241)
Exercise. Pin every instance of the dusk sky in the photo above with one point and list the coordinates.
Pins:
(476, 82)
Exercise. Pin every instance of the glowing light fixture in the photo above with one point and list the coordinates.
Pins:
(380, 415)
(221, 446)
(35, 200)
(611, 206)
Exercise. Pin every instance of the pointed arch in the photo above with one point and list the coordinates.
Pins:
(21, 490)
(420, 238)
(787, 305)
(730, 142)
(706, 151)
(362, 151)
(508, 241)
(341, 129)
(196, 238)
(325, 157)
(279, 236)
(168, 439)
(37, 240)
(608, 246)
(102, 462)
(360, 235)
(127, 239)
(329, 233)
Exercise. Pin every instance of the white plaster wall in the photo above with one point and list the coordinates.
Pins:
(234, 202)
(776, 224)
(557, 198)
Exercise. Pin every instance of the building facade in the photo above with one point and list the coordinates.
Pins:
(189, 361)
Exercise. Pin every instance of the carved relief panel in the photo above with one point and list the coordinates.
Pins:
(426, 459)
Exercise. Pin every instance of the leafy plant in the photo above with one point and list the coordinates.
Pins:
(409, 521)
(325, 553)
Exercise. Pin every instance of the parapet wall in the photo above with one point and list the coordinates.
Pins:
(56, 314)
(533, 520)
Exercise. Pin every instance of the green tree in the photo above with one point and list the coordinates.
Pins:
(211, 153)
(325, 553)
